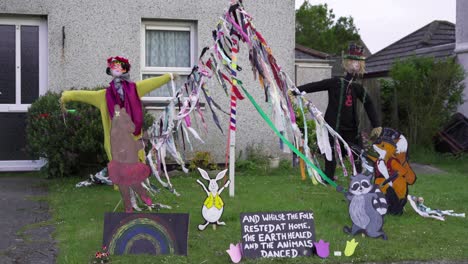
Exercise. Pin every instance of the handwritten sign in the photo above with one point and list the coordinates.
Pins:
(278, 234)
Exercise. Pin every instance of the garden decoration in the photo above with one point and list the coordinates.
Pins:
(235, 252)
(350, 247)
(121, 91)
(153, 233)
(393, 172)
(125, 169)
(161, 137)
(125, 93)
(417, 203)
(323, 248)
(341, 113)
(213, 206)
(367, 207)
(220, 61)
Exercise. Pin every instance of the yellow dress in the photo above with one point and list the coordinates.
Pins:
(98, 99)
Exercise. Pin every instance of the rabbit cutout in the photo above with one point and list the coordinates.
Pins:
(213, 206)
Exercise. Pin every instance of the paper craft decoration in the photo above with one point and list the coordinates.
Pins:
(323, 248)
(155, 234)
(350, 247)
(235, 252)
(213, 206)
(418, 205)
(367, 207)
(288, 234)
(393, 172)
(125, 170)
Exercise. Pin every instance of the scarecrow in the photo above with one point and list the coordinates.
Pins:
(122, 92)
(341, 113)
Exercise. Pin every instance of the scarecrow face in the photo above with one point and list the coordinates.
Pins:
(116, 69)
(353, 66)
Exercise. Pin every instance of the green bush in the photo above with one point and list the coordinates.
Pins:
(69, 141)
(427, 92)
(203, 160)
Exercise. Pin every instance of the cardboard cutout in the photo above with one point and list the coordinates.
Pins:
(235, 252)
(393, 172)
(125, 170)
(367, 207)
(213, 206)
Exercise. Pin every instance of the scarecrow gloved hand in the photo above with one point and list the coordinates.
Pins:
(175, 76)
(376, 132)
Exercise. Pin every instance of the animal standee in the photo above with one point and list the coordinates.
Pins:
(393, 172)
(125, 169)
(367, 207)
(213, 206)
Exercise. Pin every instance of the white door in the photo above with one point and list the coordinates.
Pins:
(23, 77)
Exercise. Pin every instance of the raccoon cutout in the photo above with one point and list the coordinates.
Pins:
(367, 207)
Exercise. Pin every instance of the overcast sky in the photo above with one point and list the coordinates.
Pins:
(382, 22)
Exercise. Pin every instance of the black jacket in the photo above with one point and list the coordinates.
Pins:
(337, 94)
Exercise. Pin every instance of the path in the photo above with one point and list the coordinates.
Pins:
(25, 229)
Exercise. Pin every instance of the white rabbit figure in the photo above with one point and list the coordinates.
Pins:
(213, 206)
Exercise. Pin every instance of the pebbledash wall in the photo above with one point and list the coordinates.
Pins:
(81, 35)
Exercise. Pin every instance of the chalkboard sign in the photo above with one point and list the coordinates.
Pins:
(277, 234)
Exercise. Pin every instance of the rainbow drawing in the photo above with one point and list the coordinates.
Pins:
(156, 234)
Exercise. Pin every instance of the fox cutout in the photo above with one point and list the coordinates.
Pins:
(393, 172)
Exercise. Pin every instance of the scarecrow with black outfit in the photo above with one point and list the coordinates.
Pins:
(341, 113)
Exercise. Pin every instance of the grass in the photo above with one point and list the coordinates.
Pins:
(79, 213)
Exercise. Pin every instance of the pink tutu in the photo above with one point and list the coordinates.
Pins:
(127, 173)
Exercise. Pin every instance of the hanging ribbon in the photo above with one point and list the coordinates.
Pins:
(294, 149)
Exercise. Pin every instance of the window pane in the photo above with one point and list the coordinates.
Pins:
(167, 48)
(29, 64)
(8, 64)
(165, 90)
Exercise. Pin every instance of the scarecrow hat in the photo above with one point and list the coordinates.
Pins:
(117, 59)
(355, 52)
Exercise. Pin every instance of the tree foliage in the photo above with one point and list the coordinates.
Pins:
(317, 28)
(427, 92)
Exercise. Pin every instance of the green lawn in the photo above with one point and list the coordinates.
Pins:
(79, 214)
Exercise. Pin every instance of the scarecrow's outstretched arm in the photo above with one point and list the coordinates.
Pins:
(150, 84)
(87, 97)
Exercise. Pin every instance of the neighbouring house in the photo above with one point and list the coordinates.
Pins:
(311, 66)
(58, 45)
(461, 46)
(436, 39)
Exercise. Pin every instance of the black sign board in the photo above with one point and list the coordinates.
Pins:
(277, 234)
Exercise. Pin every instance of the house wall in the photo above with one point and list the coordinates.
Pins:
(461, 47)
(314, 71)
(96, 30)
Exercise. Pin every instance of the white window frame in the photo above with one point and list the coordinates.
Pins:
(168, 26)
(18, 107)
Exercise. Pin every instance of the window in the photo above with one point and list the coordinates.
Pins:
(23, 56)
(167, 47)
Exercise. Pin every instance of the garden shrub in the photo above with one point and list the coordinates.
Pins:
(69, 141)
(427, 92)
(203, 160)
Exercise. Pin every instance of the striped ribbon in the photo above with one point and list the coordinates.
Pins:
(233, 112)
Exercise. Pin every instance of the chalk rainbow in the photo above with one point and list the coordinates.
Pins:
(142, 236)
